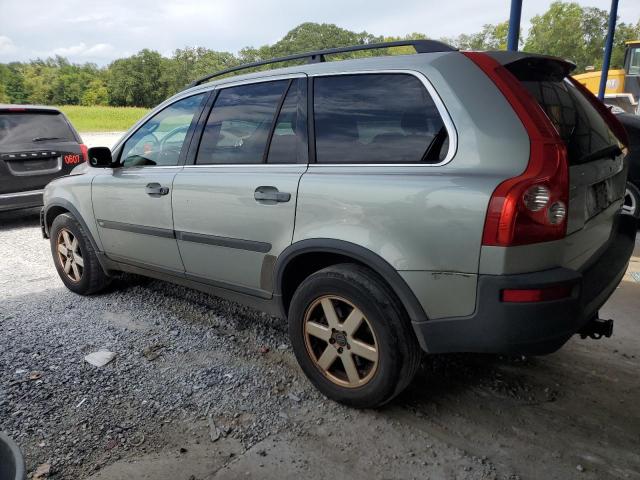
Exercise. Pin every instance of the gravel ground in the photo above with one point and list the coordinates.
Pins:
(224, 397)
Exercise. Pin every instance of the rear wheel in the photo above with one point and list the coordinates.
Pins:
(351, 336)
(631, 201)
(74, 257)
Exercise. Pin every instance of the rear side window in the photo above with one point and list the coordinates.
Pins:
(238, 126)
(376, 118)
(581, 127)
(288, 141)
(24, 127)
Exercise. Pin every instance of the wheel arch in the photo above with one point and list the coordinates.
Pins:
(305, 257)
(61, 206)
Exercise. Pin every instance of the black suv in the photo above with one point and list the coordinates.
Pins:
(37, 144)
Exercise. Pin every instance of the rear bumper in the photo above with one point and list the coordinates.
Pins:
(14, 201)
(540, 327)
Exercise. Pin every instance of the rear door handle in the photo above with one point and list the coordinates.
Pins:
(271, 195)
(155, 189)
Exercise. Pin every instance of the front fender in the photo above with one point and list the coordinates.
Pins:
(73, 194)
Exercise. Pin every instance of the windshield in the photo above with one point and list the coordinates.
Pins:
(25, 127)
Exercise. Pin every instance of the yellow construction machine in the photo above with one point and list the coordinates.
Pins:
(623, 85)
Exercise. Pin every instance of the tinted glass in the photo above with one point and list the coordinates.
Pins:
(634, 62)
(579, 124)
(288, 143)
(159, 142)
(19, 128)
(376, 118)
(239, 123)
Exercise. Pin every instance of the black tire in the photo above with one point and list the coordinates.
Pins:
(398, 352)
(632, 201)
(92, 278)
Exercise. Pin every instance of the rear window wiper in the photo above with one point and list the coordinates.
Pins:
(610, 151)
(42, 139)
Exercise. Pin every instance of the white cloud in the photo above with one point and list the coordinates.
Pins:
(82, 50)
(103, 30)
(6, 45)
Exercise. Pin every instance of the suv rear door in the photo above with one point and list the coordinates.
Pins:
(597, 171)
(36, 146)
(234, 208)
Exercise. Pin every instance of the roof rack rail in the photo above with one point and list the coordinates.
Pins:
(421, 46)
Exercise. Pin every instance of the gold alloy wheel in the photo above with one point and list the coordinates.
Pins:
(334, 328)
(69, 255)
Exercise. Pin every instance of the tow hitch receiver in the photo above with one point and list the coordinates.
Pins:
(597, 328)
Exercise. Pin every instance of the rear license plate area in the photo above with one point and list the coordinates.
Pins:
(600, 196)
(33, 163)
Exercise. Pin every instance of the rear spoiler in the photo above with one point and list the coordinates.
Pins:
(534, 66)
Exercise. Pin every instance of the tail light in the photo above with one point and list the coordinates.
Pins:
(536, 294)
(531, 207)
(614, 124)
(84, 150)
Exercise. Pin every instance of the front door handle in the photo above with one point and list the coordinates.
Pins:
(155, 189)
(270, 195)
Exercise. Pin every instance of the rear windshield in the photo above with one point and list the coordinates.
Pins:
(580, 125)
(25, 127)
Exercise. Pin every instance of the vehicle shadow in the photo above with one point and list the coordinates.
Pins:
(28, 217)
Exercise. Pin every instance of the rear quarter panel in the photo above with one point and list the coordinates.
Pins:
(426, 221)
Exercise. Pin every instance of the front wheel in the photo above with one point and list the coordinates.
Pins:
(74, 257)
(352, 337)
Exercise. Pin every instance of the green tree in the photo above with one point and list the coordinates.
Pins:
(138, 80)
(624, 33)
(188, 64)
(308, 37)
(14, 84)
(491, 37)
(96, 93)
(4, 77)
(577, 33)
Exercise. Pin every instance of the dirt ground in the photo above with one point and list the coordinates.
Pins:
(573, 414)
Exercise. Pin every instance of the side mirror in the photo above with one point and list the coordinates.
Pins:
(100, 157)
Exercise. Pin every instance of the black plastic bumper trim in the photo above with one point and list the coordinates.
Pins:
(141, 229)
(237, 243)
(533, 328)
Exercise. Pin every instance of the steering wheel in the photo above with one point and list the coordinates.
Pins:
(171, 133)
(140, 153)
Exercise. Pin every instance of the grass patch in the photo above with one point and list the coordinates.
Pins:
(102, 119)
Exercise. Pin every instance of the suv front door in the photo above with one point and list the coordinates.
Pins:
(132, 205)
(234, 209)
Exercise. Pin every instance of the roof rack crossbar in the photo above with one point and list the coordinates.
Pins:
(420, 46)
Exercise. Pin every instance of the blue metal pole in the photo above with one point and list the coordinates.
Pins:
(613, 14)
(514, 25)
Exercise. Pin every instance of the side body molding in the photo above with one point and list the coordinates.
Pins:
(366, 257)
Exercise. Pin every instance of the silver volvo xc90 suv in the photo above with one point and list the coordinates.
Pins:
(443, 201)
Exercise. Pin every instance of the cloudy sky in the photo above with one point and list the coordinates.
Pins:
(100, 31)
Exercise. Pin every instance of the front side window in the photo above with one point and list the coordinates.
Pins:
(377, 118)
(238, 126)
(160, 141)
